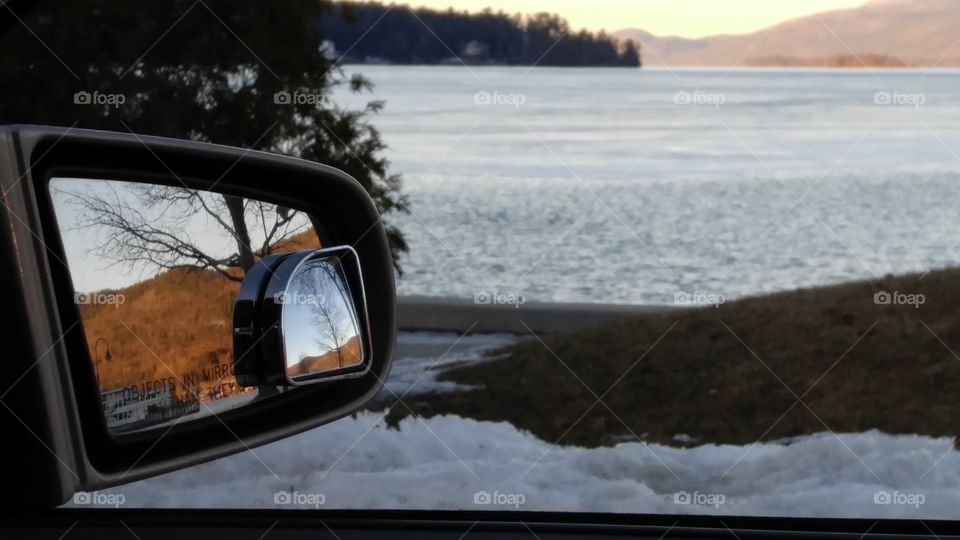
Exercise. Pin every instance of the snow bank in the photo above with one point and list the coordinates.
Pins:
(455, 463)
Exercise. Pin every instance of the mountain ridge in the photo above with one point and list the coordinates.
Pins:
(892, 33)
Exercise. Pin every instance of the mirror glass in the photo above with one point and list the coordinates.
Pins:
(156, 270)
(321, 331)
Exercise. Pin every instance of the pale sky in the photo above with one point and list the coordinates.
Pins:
(687, 18)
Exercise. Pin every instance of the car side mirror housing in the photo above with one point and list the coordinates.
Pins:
(200, 354)
(300, 318)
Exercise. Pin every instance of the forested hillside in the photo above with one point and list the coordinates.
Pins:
(379, 33)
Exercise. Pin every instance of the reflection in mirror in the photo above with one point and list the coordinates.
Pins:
(321, 333)
(156, 270)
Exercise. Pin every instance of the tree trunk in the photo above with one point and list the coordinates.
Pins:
(235, 206)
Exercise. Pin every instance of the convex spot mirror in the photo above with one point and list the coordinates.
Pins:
(300, 318)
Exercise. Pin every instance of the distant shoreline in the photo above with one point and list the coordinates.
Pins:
(472, 65)
(680, 68)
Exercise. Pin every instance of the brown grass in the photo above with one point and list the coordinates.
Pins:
(733, 374)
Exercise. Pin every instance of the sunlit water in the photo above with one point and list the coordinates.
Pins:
(627, 186)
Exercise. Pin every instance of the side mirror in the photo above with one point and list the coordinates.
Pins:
(187, 301)
(300, 318)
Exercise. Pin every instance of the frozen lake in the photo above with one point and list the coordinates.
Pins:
(605, 185)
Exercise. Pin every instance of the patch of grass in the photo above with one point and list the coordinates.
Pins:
(761, 368)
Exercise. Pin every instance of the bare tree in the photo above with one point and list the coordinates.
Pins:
(324, 287)
(146, 226)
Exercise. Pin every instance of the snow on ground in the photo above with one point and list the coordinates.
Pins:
(421, 356)
(455, 463)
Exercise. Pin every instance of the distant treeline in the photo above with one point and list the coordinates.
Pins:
(374, 32)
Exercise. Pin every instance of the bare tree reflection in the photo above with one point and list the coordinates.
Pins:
(321, 292)
(153, 231)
